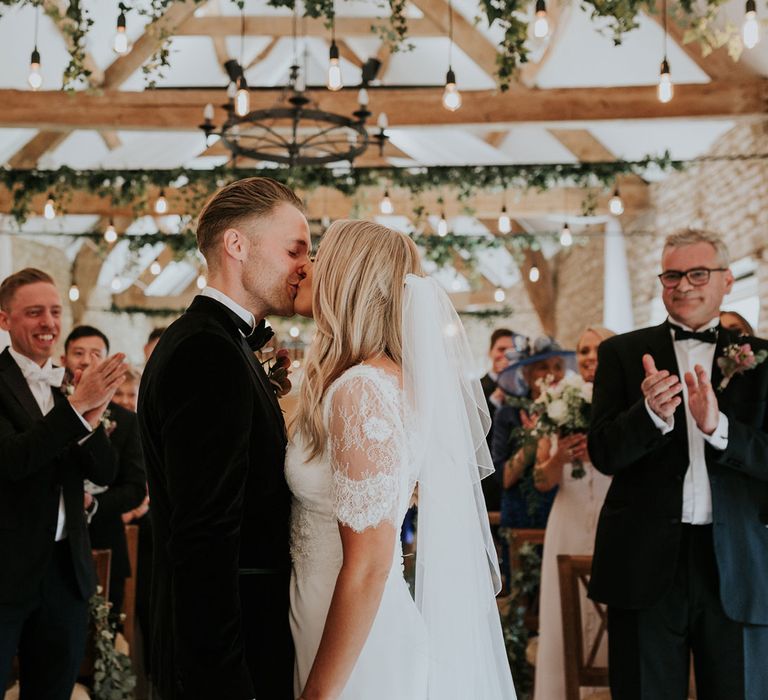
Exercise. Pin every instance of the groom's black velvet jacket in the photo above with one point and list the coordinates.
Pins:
(214, 443)
(639, 530)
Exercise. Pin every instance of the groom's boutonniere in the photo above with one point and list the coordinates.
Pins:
(738, 359)
(278, 372)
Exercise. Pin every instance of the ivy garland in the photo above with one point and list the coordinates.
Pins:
(699, 21)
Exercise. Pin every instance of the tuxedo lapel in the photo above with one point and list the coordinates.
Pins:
(263, 381)
(724, 339)
(17, 386)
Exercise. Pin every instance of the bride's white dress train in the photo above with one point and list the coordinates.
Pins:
(364, 479)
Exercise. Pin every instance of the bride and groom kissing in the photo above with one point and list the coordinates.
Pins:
(277, 568)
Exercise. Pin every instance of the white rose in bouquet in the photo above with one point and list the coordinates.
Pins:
(557, 410)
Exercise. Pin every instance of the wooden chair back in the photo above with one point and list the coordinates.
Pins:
(129, 598)
(580, 668)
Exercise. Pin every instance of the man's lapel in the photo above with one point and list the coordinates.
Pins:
(17, 386)
(724, 339)
(263, 381)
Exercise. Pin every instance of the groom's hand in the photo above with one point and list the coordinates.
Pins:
(702, 401)
(660, 389)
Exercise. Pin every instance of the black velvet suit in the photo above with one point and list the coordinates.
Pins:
(40, 456)
(638, 544)
(126, 493)
(214, 445)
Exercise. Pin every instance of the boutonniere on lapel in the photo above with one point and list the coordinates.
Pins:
(106, 421)
(278, 372)
(738, 359)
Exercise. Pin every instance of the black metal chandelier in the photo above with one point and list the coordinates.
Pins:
(294, 132)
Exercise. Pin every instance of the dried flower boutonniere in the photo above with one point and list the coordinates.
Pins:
(738, 359)
(278, 372)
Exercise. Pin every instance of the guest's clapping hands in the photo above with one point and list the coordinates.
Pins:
(660, 389)
(702, 401)
(96, 385)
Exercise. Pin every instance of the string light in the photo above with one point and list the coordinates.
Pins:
(201, 282)
(666, 90)
(116, 283)
(566, 237)
(242, 98)
(49, 210)
(385, 205)
(161, 203)
(505, 223)
(534, 274)
(499, 295)
(451, 94)
(110, 234)
(442, 226)
(74, 293)
(120, 42)
(615, 204)
(294, 332)
(541, 23)
(35, 78)
(155, 268)
(750, 30)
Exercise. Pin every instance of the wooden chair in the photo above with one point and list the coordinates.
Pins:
(129, 597)
(580, 668)
(516, 539)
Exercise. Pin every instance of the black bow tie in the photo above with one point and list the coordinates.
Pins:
(258, 338)
(707, 336)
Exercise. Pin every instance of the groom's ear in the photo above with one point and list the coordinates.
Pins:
(236, 244)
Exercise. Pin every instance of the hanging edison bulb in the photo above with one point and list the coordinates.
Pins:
(155, 268)
(242, 98)
(334, 69)
(665, 90)
(74, 293)
(49, 210)
(385, 205)
(120, 42)
(534, 274)
(161, 203)
(505, 223)
(442, 226)
(566, 237)
(35, 78)
(451, 94)
(750, 30)
(541, 22)
(499, 295)
(201, 282)
(110, 233)
(615, 204)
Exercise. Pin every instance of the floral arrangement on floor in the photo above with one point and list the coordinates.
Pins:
(113, 676)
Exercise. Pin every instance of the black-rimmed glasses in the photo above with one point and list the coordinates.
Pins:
(696, 276)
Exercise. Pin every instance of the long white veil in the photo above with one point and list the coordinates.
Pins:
(457, 572)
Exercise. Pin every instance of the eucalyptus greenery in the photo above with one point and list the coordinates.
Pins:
(113, 676)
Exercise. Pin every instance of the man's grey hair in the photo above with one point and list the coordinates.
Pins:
(691, 236)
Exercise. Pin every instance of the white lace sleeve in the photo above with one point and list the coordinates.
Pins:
(366, 447)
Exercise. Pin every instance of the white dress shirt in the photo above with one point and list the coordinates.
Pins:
(697, 494)
(231, 304)
(41, 390)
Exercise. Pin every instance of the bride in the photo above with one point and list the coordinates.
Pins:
(385, 405)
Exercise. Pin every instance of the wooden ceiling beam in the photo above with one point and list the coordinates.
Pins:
(181, 109)
(330, 202)
(283, 26)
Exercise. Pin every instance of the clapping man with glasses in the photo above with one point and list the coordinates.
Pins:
(681, 555)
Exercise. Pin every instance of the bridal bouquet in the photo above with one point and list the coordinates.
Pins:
(563, 408)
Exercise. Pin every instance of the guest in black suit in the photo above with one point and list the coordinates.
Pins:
(105, 505)
(48, 445)
(681, 555)
(214, 443)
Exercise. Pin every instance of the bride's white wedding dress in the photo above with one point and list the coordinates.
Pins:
(365, 478)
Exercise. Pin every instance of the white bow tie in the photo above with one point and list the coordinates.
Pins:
(48, 375)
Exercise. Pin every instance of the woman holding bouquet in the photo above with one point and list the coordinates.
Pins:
(562, 460)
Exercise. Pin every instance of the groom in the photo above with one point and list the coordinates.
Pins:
(214, 442)
(681, 556)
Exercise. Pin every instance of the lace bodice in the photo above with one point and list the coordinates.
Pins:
(363, 479)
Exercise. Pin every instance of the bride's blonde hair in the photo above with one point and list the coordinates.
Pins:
(357, 300)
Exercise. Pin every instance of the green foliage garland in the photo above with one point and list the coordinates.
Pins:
(113, 677)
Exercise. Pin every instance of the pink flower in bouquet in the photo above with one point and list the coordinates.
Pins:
(738, 359)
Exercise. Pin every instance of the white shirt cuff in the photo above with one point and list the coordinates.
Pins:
(85, 423)
(496, 402)
(719, 439)
(660, 423)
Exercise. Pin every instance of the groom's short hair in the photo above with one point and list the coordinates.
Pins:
(691, 236)
(240, 200)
